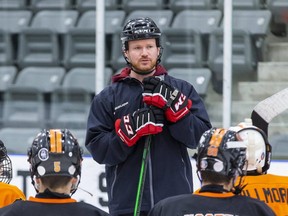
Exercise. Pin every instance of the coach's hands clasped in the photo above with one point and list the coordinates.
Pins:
(145, 121)
(160, 94)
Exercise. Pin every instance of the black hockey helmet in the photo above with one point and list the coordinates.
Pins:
(55, 152)
(5, 165)
(221, 151)
(139, 29)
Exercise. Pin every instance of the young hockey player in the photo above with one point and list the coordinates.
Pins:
(221, 157)
(55, 158)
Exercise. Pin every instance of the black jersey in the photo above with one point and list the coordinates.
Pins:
(212, 204)
(51, 206)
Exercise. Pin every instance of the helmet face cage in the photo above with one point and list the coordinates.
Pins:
(140, 29)
(55, 153)
(258, 149)
(5, 165)
(221, 151)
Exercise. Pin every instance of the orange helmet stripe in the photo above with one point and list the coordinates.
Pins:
(55, 141)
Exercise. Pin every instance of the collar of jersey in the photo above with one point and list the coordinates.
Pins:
(213, 194)
(50, 200)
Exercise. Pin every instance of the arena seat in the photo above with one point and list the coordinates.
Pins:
(246, 47)
(36, 5)
(185, 42)
(242, 4)
(178, 5)
(84, 5)
(25, 100)
(39, 45)
(131, 5)
(79, 42)
(13, 4)
(198, 77)
(17, 140)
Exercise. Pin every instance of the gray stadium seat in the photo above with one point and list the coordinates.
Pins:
(51, 4)
(162, 18)
(79, 42)
(7, 76)
(178, 5)
(198, 77)
(242, 4)
(84, 5)
(18, 140)
(247, 44)
(185, 42)
(13, 4)
(131, 5)
(39, 45)
(25, 100)
(70, 103)
(13, 21)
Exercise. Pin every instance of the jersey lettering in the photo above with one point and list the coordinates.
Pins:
(268, 195)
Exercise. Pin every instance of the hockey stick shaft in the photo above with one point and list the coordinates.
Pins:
(266, 110)
(142, 176)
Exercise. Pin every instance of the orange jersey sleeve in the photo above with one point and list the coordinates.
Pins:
(271, 189)
(9, 193)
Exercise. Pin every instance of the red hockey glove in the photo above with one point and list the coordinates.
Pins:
(160, 94)
(142, 122)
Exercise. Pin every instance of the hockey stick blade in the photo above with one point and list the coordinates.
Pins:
(266, 110)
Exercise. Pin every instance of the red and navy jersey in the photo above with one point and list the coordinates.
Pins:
(271, 189)
(211, 204)
(51, 206)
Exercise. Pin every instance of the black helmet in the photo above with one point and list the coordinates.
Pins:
(140, 28)
(55, 152)
(222, 152)
(5, 165)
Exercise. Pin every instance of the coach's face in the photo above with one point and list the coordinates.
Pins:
(142, 54)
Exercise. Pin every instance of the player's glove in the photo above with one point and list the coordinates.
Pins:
(160, 94)
(142, 122)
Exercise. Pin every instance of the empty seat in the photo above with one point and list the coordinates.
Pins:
(185, 42)
(83, 5)
(71, 102)
(51, 4)
(198, 77)
(13, 21)
(39, 45)
(162, 18)
(7, 76)
(242, 4)
(131, 5)
(13, 4)
(246, 47)
(80, 41)
(18, 140)
(26, 101)
(179, 5)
